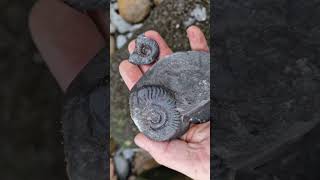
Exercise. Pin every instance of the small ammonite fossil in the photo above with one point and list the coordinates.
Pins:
(145, 52)
(172, 94)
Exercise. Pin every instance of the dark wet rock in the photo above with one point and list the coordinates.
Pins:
(266, 74)
(85, 122)
(146, 51)
(88, 4)
(174, 92)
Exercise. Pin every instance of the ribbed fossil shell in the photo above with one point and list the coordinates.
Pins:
(145, 52)
(172, 94)
(153, 109)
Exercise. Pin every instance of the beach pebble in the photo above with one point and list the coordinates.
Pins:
(121, 41)
(120, 24)
(121, 166)
(199, 13)
(134, 11)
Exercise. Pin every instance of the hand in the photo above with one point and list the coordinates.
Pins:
(190, 154)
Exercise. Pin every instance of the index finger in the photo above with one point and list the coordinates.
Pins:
(197, 39)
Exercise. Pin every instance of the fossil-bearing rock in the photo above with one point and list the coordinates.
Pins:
(145, 52)
(172, 94)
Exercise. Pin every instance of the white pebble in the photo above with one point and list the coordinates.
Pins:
(129, 35)
(199, 13)
(121, 41)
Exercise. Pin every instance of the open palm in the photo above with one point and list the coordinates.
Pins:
(190, 154)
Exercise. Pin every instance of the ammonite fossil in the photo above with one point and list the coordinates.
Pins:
(172, 94)
(145, 52)
(88, 4)
(155, 107)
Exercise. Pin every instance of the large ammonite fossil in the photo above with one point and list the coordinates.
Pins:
(172, 94)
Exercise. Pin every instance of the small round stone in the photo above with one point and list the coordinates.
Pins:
(134, 11)
(121, 41)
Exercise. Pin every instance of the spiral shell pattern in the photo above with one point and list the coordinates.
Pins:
(145, 52)
(153, 110)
